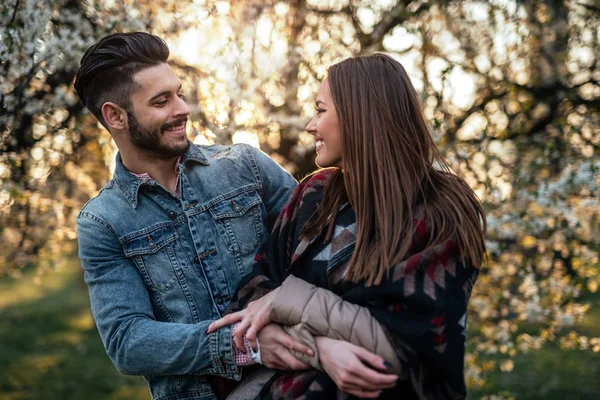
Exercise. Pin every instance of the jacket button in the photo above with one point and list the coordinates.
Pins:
(196, 260)
(172, 215)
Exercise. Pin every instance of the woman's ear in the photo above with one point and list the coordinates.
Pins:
(114, 116)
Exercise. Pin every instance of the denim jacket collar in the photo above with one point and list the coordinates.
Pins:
(129, 184)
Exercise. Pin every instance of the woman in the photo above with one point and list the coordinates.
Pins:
(387, 235)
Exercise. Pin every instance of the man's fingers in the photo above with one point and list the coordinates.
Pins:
(273, 364)
(284, 361)
(290, 361)
(300, 347)
(226, 320)
(292, 344)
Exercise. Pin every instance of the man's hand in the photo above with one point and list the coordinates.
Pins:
(274, 349)
(348, 366)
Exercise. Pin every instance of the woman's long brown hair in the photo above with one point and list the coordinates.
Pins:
(391, 165)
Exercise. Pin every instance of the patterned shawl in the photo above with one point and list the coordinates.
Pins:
(421, 303)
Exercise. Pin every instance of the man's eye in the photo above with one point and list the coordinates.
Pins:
(161, 102)
(181, 96)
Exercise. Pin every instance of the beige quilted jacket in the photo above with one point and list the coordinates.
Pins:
(307, 311)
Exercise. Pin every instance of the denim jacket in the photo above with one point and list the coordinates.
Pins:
(160, 269)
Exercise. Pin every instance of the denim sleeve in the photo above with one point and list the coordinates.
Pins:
(134, 340)
(277, 184)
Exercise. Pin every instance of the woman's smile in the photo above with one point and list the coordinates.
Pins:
(318, 144)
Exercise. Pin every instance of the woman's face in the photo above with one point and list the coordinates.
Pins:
(325, 128)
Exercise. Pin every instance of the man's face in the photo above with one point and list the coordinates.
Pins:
(158, 114)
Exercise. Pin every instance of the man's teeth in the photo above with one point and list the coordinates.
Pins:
(176, 128)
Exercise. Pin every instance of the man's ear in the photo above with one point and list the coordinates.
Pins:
(114, 116)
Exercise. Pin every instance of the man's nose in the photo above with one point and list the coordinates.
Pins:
(182, 108)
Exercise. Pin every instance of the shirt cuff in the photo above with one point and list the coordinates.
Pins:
(239, 358)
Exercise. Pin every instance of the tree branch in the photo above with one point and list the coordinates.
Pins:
(396, 16)
(589, 7)
(14, 16)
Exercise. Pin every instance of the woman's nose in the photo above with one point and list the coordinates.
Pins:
(311, 127)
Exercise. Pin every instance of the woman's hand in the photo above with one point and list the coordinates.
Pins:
(254, 317)
(348, 366)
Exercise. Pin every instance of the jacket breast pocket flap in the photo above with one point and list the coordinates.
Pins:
(239, 222)
(235, 206)
(149, 242)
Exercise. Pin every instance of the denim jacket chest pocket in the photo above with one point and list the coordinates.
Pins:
(153, 251)
(239, 221)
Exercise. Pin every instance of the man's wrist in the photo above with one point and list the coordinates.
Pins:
(256, 354)
(240, 358)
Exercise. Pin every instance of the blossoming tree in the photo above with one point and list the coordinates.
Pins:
(511, 89)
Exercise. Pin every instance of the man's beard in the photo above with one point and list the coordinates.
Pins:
(148, 139)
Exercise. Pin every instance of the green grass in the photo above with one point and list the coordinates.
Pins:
(49, 346)
(50, 349)
(550, 373)
(553, 373)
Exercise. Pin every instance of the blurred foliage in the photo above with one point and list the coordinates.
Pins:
(511, 88)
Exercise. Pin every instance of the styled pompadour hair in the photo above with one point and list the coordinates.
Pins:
(107, 68)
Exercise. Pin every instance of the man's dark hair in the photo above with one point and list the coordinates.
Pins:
(107, 68)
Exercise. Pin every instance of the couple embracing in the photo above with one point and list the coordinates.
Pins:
(214, 274)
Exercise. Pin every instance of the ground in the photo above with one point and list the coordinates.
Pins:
(50, 349)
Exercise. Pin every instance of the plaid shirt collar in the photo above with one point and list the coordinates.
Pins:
(145, 177)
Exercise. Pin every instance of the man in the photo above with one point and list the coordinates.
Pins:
(167, 240)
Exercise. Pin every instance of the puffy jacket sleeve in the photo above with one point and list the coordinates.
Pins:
(308, 311)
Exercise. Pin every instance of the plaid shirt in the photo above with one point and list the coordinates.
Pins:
(145, 177)
(242, 359)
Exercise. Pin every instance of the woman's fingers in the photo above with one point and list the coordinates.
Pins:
(238, 337)
(363, 394)
(377, 380)
(261, 319)
(226, 320)
(371, 358)
(251, 336)
(360, 374)
(252, 332)
(370, 382)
